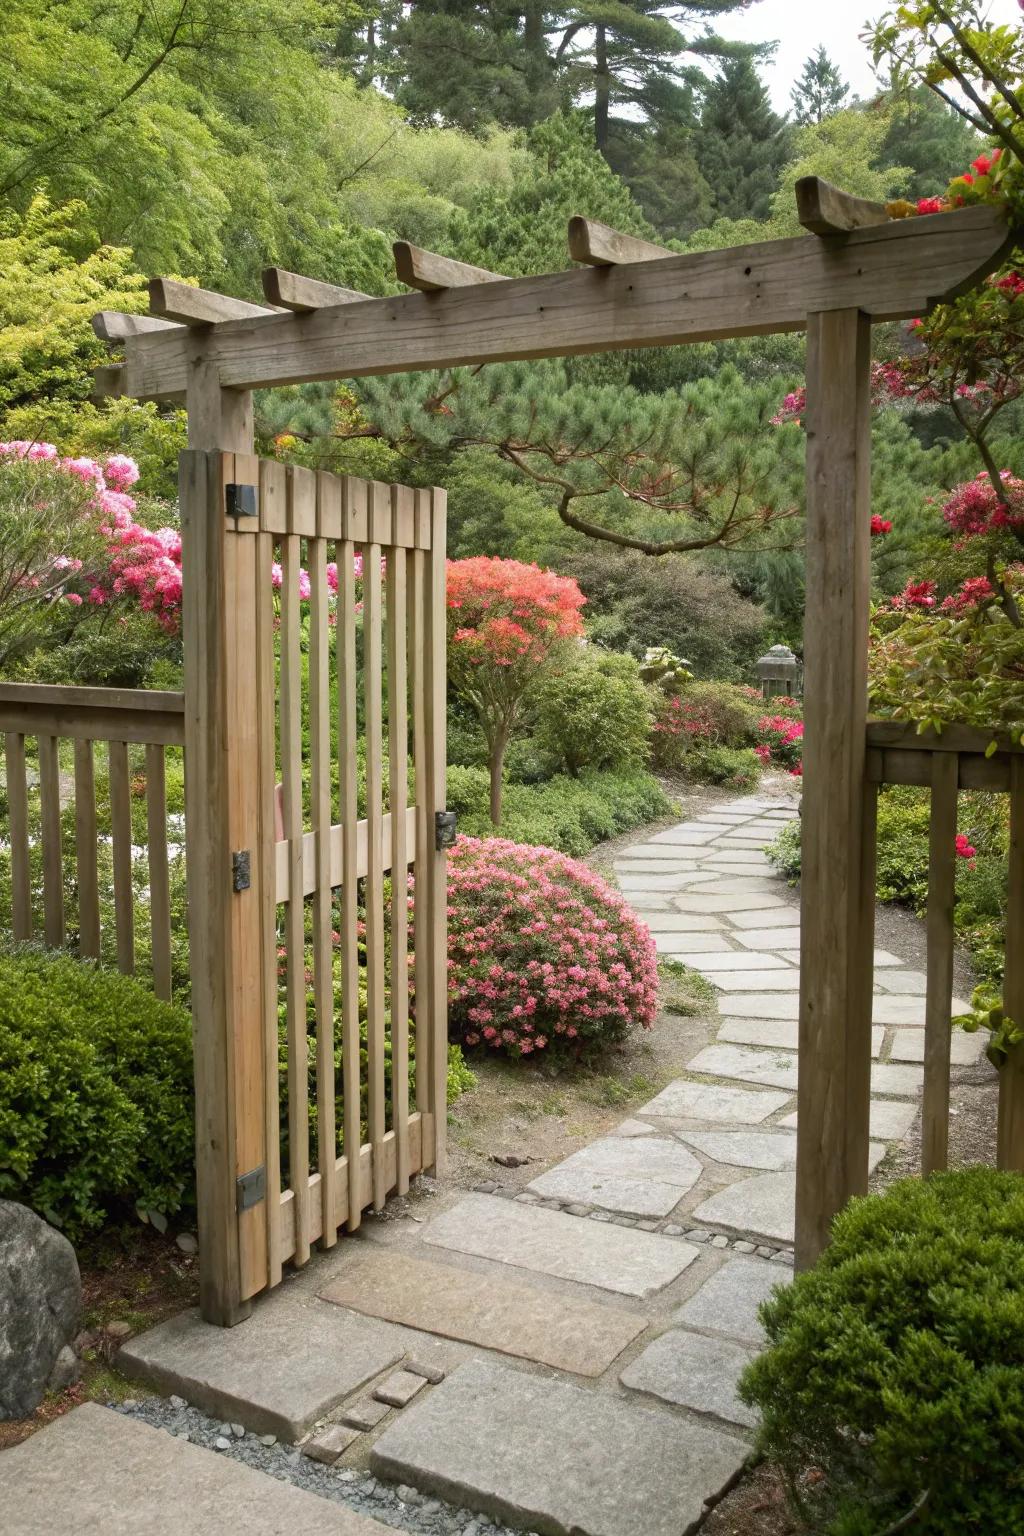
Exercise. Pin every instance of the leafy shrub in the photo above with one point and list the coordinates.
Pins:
(96, 1111)
(896, 1365)
(543, 954)
(780, 740)
(596, 714)
(564, 813)
(704, 715)
(733, 767)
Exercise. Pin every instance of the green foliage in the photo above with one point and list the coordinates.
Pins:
(635, 602)
(54, 276)
(820, 91)
(702, 716)
(564, 813)
(743, 144)
(95, 1092)
(596, 713)
(929, 137)
(460, 1079)
(732, 767)
(896, 1365)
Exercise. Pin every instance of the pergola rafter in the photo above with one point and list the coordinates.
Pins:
(855, 268)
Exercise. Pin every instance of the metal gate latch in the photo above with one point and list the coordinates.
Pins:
(445, 829)
(241, 501)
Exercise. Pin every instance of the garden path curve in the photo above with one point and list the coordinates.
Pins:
(565, 1359)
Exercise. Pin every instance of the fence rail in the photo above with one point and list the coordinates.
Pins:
(44, 880)
(958, 758)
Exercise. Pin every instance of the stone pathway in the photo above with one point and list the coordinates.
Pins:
(563, 1360)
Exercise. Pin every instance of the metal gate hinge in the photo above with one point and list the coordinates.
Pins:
(251, 1188)
(241, 501)
(241, 875)
(446, 826)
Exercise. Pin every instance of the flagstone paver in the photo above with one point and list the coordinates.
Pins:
(777, 1069)
(683, 1100)
(728, 1302)
(964, 1049)
(551, 1243)
(643, 1177)
(695, 1372)
(764, 1205)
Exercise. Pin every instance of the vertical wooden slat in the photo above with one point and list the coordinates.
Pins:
(121, 835)
(49, 807)
(320, 804)
(403, 507)
(421, 910)
(835, 1003)
(300, 492)
(17, 805)
(273, 518)
(354, 525)
(1010, 1133)
(945, 769)
(372, 683)
(85, 851)
(159, 879)
(437, 861)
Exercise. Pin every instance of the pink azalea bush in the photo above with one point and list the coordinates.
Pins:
(781, 742)
(543, 955)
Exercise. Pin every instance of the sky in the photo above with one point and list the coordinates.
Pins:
(800, 25)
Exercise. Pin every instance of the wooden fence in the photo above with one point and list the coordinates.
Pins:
(57, 892)
(957, 759)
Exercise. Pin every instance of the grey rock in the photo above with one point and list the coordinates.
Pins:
(764, 1205)
(268, 1439)
(222, 1443)
(488, 1187)
(742, 1246)
(763, 1251)
(698, 1235)
(67, 1368)
(578, 1210)
(719, 1241)
(329, 1443)
(608, 1468)
(238, 1430)
(783, 1257)
(187, 1242)
(177, 1402)
(672, 1230)
(399, 1388)
(40, 1306)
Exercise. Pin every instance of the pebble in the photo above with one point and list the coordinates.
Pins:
(527, 1197)
(118, 1330)
(672, 1230)
(742, 1246)
(719, 1241)
(431, 1373)
(488, 1187)
(174, 1400)
(187, 1242)
(268, 1439)
(222, 1443)
(238, 1430)
(578, 1210)
(698, 1235)
(647, 1226)
(764, 1252)
(600, 1216)
(783, 1258)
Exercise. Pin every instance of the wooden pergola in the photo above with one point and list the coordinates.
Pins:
(854, 268)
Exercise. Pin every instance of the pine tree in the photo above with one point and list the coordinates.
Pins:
(820, 91)
(742, 144)
(932, 139)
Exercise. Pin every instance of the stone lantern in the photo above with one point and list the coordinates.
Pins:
(778, 671)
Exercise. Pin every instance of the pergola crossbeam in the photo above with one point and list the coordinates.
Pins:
(113, 326)
(290, 290)
(431, 273)
(198, 306)
(826, 210)
(598, 245)
(888, 271)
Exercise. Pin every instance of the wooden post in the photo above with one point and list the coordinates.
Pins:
(1010, 1134)
(945, 774)
(837, 896)
(437, 859)
(222, 793)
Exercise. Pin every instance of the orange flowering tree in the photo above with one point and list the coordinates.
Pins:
(506, 621)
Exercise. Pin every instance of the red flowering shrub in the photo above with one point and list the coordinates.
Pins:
(505, 620)
(703, 715)
(781, 743)
(543, 955)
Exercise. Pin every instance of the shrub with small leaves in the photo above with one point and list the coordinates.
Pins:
(544, 957)
(703, 715)
(895, 1366)
(96, 1108)
(595, 714)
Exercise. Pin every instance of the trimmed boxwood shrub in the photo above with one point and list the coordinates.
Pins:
(96, 1102)
(596, 713)
(543, 955)
(896, 1364)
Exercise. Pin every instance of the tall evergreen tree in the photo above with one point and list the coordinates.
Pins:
(820, 90)
(931, 138)
(742, 144)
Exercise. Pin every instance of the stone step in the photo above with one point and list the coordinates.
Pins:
(506, 1315)
(289, 1365)
(100, 1473)
(557, 1458)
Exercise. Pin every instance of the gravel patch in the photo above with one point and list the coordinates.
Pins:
(398, 1506)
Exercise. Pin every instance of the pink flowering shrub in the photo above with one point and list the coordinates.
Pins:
(543, 955)
(781, 742)
(703, 715)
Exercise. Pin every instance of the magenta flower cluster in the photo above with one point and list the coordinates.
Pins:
(543, 955)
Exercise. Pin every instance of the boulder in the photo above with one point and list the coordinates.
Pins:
(40, 1308)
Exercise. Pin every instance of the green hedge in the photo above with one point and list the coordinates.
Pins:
(569, 814)
(896, 1365)
(96, 1106)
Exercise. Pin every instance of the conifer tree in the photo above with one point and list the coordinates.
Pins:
(820, 90)
(742, 144)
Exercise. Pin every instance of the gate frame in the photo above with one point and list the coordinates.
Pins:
(856, 268)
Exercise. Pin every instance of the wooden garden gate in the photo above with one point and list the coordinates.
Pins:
(854, 268)
(299, 847)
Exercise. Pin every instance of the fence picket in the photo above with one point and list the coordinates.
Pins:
(121, 835)
(437, 862)
(403, 507)
(17, 810)
(373, 686)
(940, 939)
(85, 850)
(159, 876)
(1010, 1134)
(354, 527)
(320, 804)
(49, 806)
(418, 691)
